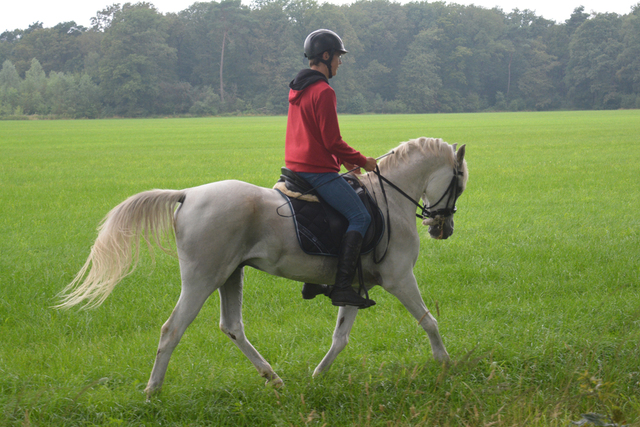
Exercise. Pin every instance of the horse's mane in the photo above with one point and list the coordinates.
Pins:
(426, 146)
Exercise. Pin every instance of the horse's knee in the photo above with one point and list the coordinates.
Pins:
(164, 330)
(168, 335)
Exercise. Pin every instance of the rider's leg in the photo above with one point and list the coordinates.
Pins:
(343, 293)
(339, 194)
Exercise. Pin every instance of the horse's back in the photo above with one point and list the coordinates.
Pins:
(226, 214)
(224, 202)
(231, 223)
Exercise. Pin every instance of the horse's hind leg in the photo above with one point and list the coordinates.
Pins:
(346, 317)
(189, 304)
(231, 324)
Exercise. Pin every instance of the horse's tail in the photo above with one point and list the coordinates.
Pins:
(116, 251)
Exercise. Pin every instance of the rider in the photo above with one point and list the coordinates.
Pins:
(315, 150)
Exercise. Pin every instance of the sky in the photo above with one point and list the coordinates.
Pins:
(22, 13)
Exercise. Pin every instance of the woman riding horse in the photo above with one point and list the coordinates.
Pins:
(315, 150)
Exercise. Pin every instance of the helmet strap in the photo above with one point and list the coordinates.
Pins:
(328, 62)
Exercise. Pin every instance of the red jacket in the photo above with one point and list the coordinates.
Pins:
(313, 142)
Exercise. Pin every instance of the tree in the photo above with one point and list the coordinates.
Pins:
(136, 58)
(103, 19)
(374, 81)
(275, 51)
(8, 39)
(414, 57)
(232, 20)
(523, 29)
(60, 95)
(9, 88)
(207, 102)
(484, 34)
(419, 83)
(214, 43)
(383, 34)
(33, 90)
(56, 48)
(9, 78)
(591, 72)
(628, 62)
(87, 101)
(536, 86)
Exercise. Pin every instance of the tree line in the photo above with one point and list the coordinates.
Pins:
(227, 58)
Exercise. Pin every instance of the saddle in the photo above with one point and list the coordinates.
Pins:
(319, 227)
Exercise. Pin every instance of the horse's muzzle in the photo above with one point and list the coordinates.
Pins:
(440, 228)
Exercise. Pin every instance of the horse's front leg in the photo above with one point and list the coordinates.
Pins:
(406, 290)
(346, 317)
(231, 324)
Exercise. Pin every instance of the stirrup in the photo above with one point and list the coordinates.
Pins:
(350, 297)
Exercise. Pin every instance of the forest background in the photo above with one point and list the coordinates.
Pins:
(227, 58)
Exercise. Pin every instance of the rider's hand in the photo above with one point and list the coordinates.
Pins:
(370, 166)
(355, 169)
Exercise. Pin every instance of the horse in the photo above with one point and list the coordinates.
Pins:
(222, 227)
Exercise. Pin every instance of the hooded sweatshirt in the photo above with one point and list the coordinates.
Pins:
(313, 143)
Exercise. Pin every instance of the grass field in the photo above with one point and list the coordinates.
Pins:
(537, 293)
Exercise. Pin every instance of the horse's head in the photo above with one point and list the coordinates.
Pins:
(444, 188)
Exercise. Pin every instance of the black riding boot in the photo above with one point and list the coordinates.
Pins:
(310, 290)
(343, 293)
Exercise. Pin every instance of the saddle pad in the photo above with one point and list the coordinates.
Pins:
(320, 228)
(281, 186)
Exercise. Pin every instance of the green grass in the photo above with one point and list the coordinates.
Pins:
(537, 292)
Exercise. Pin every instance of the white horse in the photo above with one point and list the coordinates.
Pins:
(224, 226)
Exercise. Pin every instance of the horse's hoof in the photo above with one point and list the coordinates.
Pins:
(444, 359)
(151, 392)
(319, 371)
(275, 382)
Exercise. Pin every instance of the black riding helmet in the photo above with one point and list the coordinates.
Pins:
(321, 41)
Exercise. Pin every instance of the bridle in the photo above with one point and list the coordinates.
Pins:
(451, 193)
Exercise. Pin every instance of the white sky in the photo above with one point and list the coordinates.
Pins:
(22, 13)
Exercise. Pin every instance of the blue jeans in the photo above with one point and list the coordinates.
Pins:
(338, 194)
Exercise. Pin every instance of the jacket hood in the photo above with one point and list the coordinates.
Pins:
(306, 78)
(303, 80)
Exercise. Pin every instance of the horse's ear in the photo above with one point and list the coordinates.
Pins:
(460, 154)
